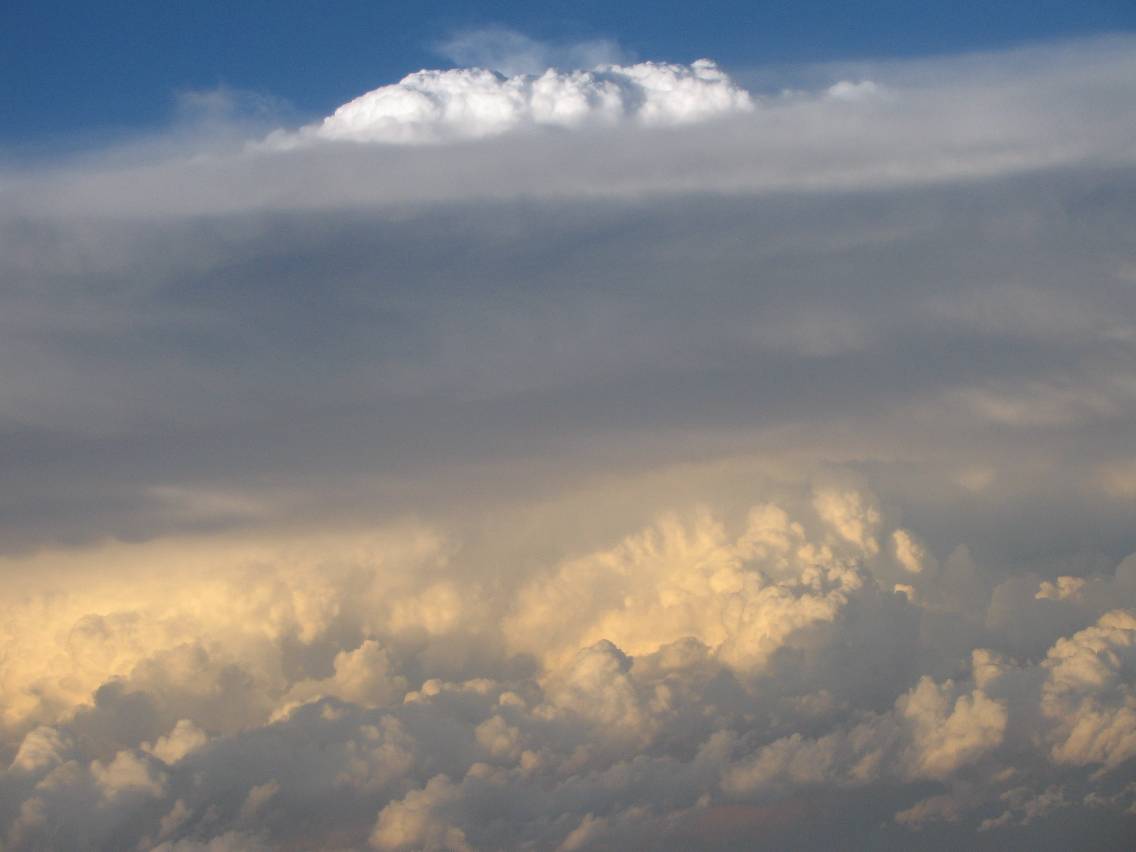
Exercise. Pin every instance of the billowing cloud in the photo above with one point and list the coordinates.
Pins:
(469, 103)
(740, 665)
(649, 460)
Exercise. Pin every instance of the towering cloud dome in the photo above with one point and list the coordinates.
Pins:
(469, 103)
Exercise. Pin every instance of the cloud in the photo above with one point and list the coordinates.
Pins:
(947, 737)
(411, 823)
(512, 53)
(755, 684)
(184, 738)
(644, 594)
(644, 461)
(41, 749)
(362, 676)
(470, 103)
(128, 773)
(1025, 807)
(1088, 692)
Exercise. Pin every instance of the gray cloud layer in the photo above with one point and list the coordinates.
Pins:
(770, 476)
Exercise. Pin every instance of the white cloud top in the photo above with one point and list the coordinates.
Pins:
(471, 103)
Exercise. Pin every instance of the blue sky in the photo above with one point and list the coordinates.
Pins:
(73, 71)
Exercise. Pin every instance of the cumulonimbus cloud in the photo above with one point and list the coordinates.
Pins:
(471, 103)
(759, 479)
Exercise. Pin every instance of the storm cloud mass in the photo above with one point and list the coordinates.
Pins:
(647, 456)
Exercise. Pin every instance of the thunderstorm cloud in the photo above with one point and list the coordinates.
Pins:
(645, 455)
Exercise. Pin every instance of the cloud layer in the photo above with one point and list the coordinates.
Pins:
(690, 680)
(640, 463)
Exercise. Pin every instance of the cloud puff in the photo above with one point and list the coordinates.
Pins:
(741, 598)
(128, 773)
(470, 103)
(1089, 694)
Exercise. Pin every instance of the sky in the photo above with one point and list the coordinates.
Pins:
(79, 73)
(580, 427)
